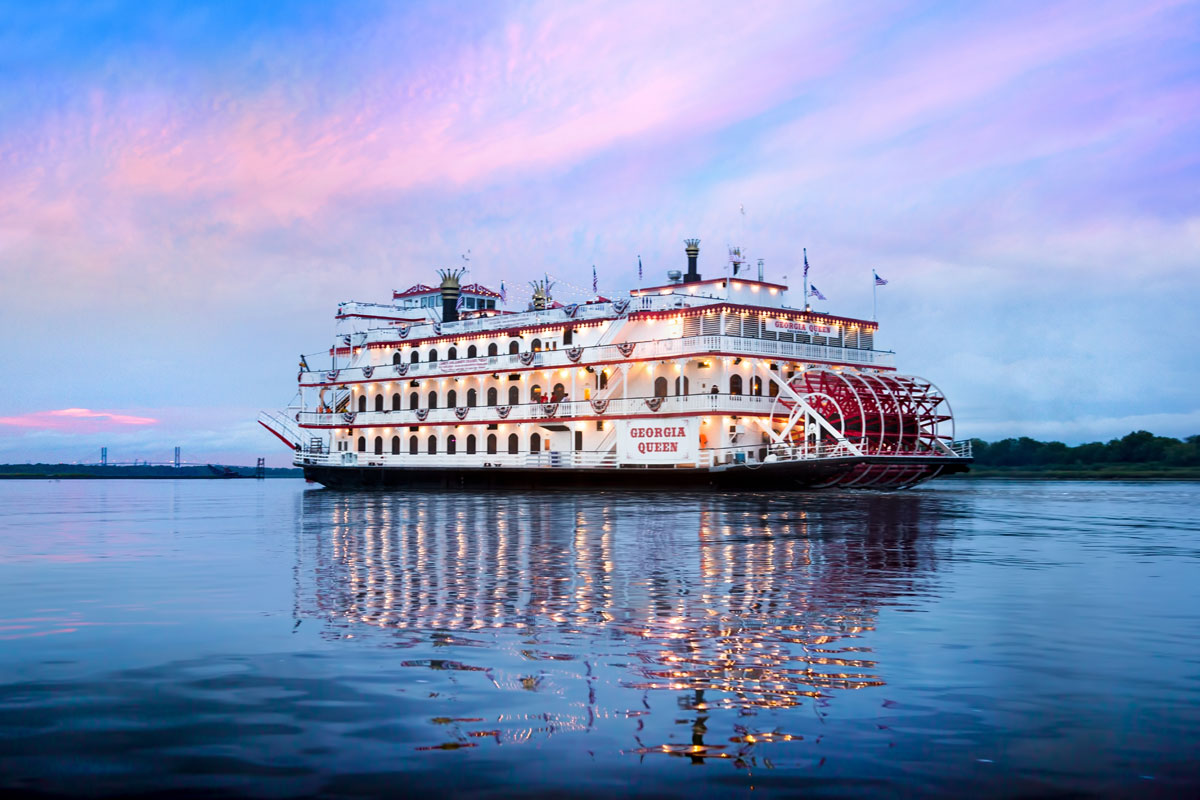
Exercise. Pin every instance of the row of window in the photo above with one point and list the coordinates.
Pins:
(492, 443)
(538, 395)
(493, 349)
(472, 303)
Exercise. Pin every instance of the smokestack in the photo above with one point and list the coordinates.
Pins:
(450, 292)
(693, 252)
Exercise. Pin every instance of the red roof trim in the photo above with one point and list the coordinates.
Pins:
(420, 288)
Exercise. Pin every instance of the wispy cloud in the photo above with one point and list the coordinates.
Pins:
(75, 420)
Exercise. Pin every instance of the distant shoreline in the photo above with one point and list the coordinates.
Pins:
(130, 472)
(76, 477)
(1082, 474)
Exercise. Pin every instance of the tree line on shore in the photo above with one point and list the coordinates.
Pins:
(1136, 448)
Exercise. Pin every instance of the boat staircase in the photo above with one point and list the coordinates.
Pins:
(284, 428)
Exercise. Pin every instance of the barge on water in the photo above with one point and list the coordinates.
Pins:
(696, 382)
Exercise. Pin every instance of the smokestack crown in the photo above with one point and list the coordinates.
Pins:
(450, 290)
(693, 252)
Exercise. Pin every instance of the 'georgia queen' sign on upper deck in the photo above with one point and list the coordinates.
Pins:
(667, 441)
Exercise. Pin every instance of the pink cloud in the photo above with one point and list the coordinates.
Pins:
(75, 420)
(558, 85)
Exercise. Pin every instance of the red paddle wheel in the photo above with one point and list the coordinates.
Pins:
(836, 399)
(883, 415)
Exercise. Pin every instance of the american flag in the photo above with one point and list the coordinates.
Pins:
(595, 282)
(639, 269)
(806, 265)
(813, 291)
(503, 294)
(878, 280)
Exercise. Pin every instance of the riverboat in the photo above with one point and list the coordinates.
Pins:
(694, 382)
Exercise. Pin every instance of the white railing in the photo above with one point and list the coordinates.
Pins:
(962, 448)
(709, 458)
(278, 422)
(541, 460)
(686, 347)
(564, 410)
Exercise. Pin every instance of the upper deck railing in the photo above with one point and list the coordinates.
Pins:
(564, 410)
(687, 346)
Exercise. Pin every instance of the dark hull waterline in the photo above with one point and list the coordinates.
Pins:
(877, 472)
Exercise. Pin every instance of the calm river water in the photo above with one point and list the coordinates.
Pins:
(275, 639)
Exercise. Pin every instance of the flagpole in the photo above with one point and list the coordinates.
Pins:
(874, 298)
(806, 279)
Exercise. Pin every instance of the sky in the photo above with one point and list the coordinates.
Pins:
(187, 190)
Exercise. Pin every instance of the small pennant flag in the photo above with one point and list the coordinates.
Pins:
(813, 291)
(595, 282)
(878, 280)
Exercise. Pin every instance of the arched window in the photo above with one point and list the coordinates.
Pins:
(514, 443)
(559, 392)
(514, 395)
(735, 384)
(535, 443)
(535, 393)
(535, 345)
(378, 445)
(395, 445)
(396, 357)
(362, 444)
(681, 385)
(603, 379)
(379, 402)
(432, 446)
(660, 387)
(491, 396)
(756, 386)
(396, 402)
(451, 399)
(493, 350)
(471, 445)
(415, 357)
(413, 445)
(432, 355)
(472, 398)
(452, 354)
(773, 388)
(472, 351)
(362, 402)
(451, 444)
(491, 444)
(514, 347)
(414, 400)
(433, 399)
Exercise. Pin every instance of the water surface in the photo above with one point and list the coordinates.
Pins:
(275, 639)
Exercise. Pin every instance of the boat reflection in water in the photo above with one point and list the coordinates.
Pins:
(693, 625)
